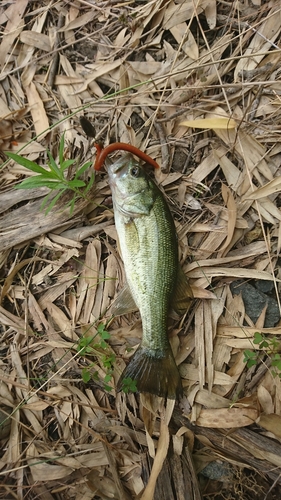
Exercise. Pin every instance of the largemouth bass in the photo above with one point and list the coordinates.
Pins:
(149, 248)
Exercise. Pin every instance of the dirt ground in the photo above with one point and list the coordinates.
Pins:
(196, 85)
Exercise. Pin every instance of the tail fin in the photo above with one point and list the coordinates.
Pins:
(154, 372)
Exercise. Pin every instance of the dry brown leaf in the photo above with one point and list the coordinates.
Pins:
(211, 13)
(210, 272)
(232, 174)
(265, 35)
(161, 453)
(265, 400)
(227, 418)
(213, 123)
(180, 32)
(79, 21)
(271, 187)
(14, 26)
(36, 405)
(272, 423)
(40, 119)
(232, 214)
(178, 13)
(38, 40)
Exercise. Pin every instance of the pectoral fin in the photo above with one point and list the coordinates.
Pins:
(124, 303)
(183, 294)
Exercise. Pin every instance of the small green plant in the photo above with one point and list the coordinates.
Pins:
(129, 385)
(271, 345)
(54, 178)
(100, 349)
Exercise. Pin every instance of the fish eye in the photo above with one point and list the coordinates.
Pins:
(135, 171)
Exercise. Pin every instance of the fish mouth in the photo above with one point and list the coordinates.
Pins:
(117, 166)
(115, 170)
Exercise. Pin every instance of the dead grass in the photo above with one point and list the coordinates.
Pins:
(137, 70)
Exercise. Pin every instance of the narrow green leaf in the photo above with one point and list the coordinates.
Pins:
(66, 164)
(53, 166)
(61, 149)
(90, 184)
(24, 162)
(36, 182)
(53, 202)
(46, 200)
(71, 204)
(82, 169)
(75, 184)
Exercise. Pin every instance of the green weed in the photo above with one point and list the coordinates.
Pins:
(54, 178)
(271, 346)
(100, 349)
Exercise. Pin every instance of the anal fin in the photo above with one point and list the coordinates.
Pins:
(124, 302)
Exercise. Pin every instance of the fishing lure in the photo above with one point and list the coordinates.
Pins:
(120, 146)
(116, 146)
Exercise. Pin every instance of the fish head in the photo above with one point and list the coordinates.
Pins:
(133, 191)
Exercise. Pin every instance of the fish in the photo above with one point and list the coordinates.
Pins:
(155, 281)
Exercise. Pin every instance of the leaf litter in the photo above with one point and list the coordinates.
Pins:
(196, 85)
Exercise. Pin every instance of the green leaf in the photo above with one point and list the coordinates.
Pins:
(90, 183)
(24, 162)
(86, 375)
(54, 200)
(258, 338)
(274, 343)
(100, 328)
(108, 377)
(46, 199)
(76, 183)
(54, 167)
(250, 357)
(105, 335)
(251, 362)
(61, 149)
(249, 354)
(71, 205)
(83, 346)
(82, 169)
(66, 164)
(129, 385)
(37, 181)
